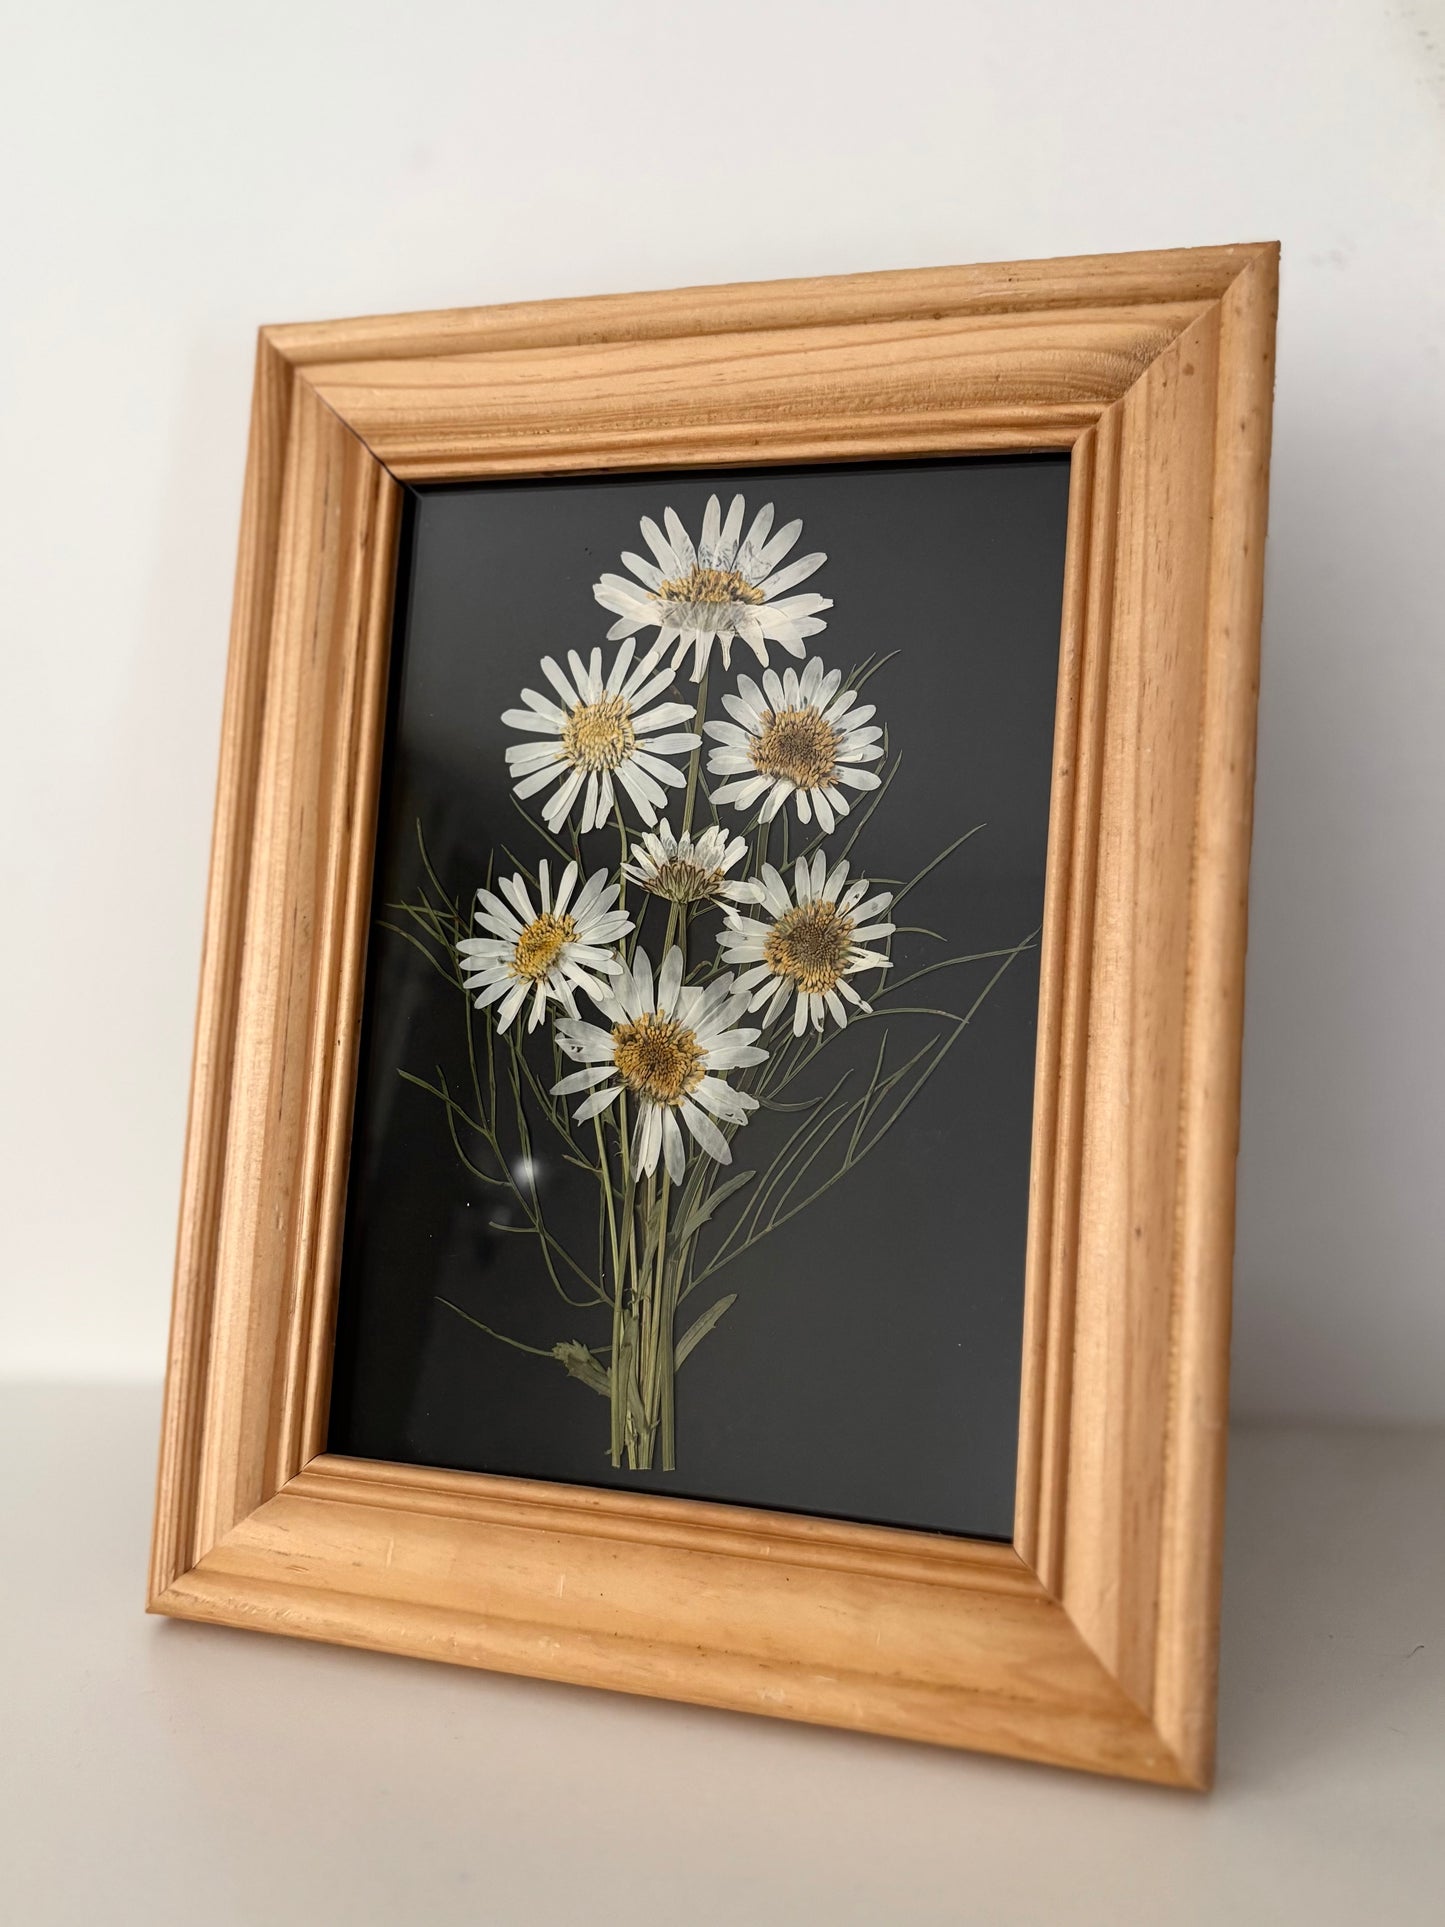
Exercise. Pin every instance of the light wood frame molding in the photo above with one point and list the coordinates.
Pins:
(1091, 1641)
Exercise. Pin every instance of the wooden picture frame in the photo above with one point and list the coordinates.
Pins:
(1091, 1641)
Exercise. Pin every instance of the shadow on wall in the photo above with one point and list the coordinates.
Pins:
(1344, 1115)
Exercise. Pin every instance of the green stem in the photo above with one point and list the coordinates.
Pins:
(614, 1403)
(516, 1343)
(661, 1362)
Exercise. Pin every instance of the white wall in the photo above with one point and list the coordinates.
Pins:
(174, 174)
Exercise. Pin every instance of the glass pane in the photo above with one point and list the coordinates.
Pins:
(865, 1359)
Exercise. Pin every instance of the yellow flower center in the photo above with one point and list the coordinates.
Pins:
(598, 736)
(540, 945)
(797, 744)
(682, 881)
(809, 946)
(658, 1057)
(709, 585)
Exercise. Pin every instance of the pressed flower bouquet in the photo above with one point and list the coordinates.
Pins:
(655, 970)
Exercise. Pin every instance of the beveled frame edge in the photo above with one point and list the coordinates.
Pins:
(1092, 1642)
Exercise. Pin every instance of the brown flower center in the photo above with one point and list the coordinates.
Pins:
(797, 744)
(599, 735)
(682, 881)
(658, 1057)
(709, 585)
(540, 945)
(809, 946)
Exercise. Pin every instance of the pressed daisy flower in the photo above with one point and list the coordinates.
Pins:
(807, 944)
(721, 591)
(545, 954)
(665, 1049)
(688, 869)
(796, 736)
(600, 734)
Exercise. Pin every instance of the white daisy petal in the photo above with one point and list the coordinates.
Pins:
(728, 1057)
(649, 1137)
(491, 907)
(646, 572)
(547, 955)
(677, 745)
(512, 1003)
(776, 1002)
(757, 535)
(711, 530)
(493, 991)
(594, 745)
(596, 1104)
(668, 1049)
(653, 536)
(784, 730)
(565, 885)
(669, 981)
(662, 717)
(714, 590)
(802, 942)
(637, 789)
(537, 780)
(795, 572)
(583, 1080)
(589, 803)
(686, 869)
(679, 538)
(570, 696)
(727, 546)
(619, 667)
(772, 552)
(523, 758)
(545, 708)
(646, 687)
(719, 1098)
(655, 767)
(674, 1151)
(749, 715)
(514, 889)
(706, 1132)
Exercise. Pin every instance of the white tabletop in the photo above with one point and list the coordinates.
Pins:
(157, 1772)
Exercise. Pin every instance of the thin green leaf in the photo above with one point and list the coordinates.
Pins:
(537, 1351)
(437, 884)
(942, 857)
(866, 675)
(698, 1217)
(948, 963)
(698, 1330)
(417, 945)
(546, 835)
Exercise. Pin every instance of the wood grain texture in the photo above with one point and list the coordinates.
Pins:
(1126, 1272)
(911, 294)
(173, 1548)
(328, 649)
(1192, 1534)
(1063, 991)
(1092, 1641)
(933, 1643)
(835, 393)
